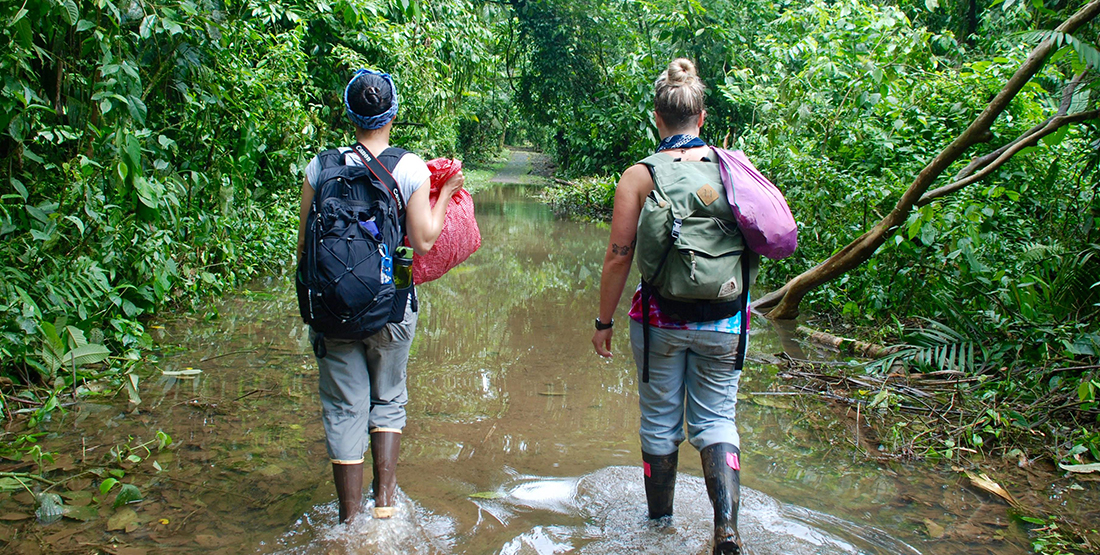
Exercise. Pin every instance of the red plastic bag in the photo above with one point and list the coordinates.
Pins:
(460, 236)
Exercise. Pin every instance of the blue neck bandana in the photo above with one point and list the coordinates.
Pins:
(372, 122)
(680, 141)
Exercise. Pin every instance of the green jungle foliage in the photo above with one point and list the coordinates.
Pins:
(150, 153)
(152, 150)
(842, 104)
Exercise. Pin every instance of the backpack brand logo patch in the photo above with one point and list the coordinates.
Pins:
(728, 288)
(707, 194)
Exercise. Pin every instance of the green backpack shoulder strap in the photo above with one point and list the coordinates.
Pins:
(658, 164)
(679, 181)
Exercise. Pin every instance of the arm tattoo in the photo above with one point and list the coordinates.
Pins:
(623, 250)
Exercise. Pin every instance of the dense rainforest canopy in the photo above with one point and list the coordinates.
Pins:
(151, 153)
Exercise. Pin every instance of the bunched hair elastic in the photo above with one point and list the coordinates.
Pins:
(376, 121)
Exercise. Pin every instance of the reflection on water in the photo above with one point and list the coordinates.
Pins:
(504, 387)
(611, 502)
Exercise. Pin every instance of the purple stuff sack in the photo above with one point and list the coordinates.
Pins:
(762, 213)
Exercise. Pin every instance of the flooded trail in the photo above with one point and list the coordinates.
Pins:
(520, 439)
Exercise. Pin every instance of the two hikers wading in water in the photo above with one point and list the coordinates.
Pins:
(689, 366)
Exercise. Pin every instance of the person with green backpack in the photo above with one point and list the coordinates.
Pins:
(689, 315)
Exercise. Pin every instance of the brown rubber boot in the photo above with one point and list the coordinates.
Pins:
(721, 470)
(349, 489)
(384, 447)
(660, 482)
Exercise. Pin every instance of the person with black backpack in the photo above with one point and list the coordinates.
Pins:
(689, 316)
(356, 211)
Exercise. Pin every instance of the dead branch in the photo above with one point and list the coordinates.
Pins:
(1052, 125)
(1063, 109)
(845, 345)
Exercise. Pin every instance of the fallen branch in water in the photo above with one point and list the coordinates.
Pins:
(242, 351)
(845, 345)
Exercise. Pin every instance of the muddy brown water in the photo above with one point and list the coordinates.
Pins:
(520, 439)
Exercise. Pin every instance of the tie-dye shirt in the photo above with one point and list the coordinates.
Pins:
(656, 318)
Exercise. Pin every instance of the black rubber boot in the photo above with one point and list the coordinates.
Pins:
(349, 489)
(721, 470)
(660, 482)
(384, 447)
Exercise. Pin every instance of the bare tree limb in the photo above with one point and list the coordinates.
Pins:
(783, 303)
(1063, 109)
(1052, 125)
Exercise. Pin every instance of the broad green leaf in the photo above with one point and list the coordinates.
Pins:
(70, 13)
(137, 108)
(149, 191)
(20, 188)
(77, 222)
(12, 484)
(145, 30)
(1085, 392)
(1056, 137)
(88, 354)
(38, 214)
(106, 485)
(75, 337)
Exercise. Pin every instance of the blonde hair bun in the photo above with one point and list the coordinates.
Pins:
(681, 72)
(679, 94)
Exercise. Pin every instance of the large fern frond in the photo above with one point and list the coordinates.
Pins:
(1085, 51)
(936, 346)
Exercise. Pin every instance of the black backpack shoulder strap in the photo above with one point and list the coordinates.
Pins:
(391, 156)
(330, 158)
(383, 175)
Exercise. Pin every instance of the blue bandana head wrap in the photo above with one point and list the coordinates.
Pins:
(376, 121)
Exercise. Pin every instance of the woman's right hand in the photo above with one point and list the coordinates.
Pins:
(453, 184)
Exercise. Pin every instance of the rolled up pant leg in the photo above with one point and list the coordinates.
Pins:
(362, 388)
(345, 400)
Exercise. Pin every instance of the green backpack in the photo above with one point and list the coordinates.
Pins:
(691, 255)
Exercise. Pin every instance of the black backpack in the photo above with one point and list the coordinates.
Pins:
(355, 224)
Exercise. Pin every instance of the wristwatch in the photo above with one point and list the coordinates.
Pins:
(600, 326)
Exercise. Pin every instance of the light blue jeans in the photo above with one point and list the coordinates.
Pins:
(692, 375)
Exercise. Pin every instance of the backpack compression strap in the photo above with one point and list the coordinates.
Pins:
(743, 342)
(383, 176)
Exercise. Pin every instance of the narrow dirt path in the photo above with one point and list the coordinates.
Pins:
(517, 169)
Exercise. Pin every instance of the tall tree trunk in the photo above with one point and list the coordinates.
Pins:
(783, 303)
(971, 22)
